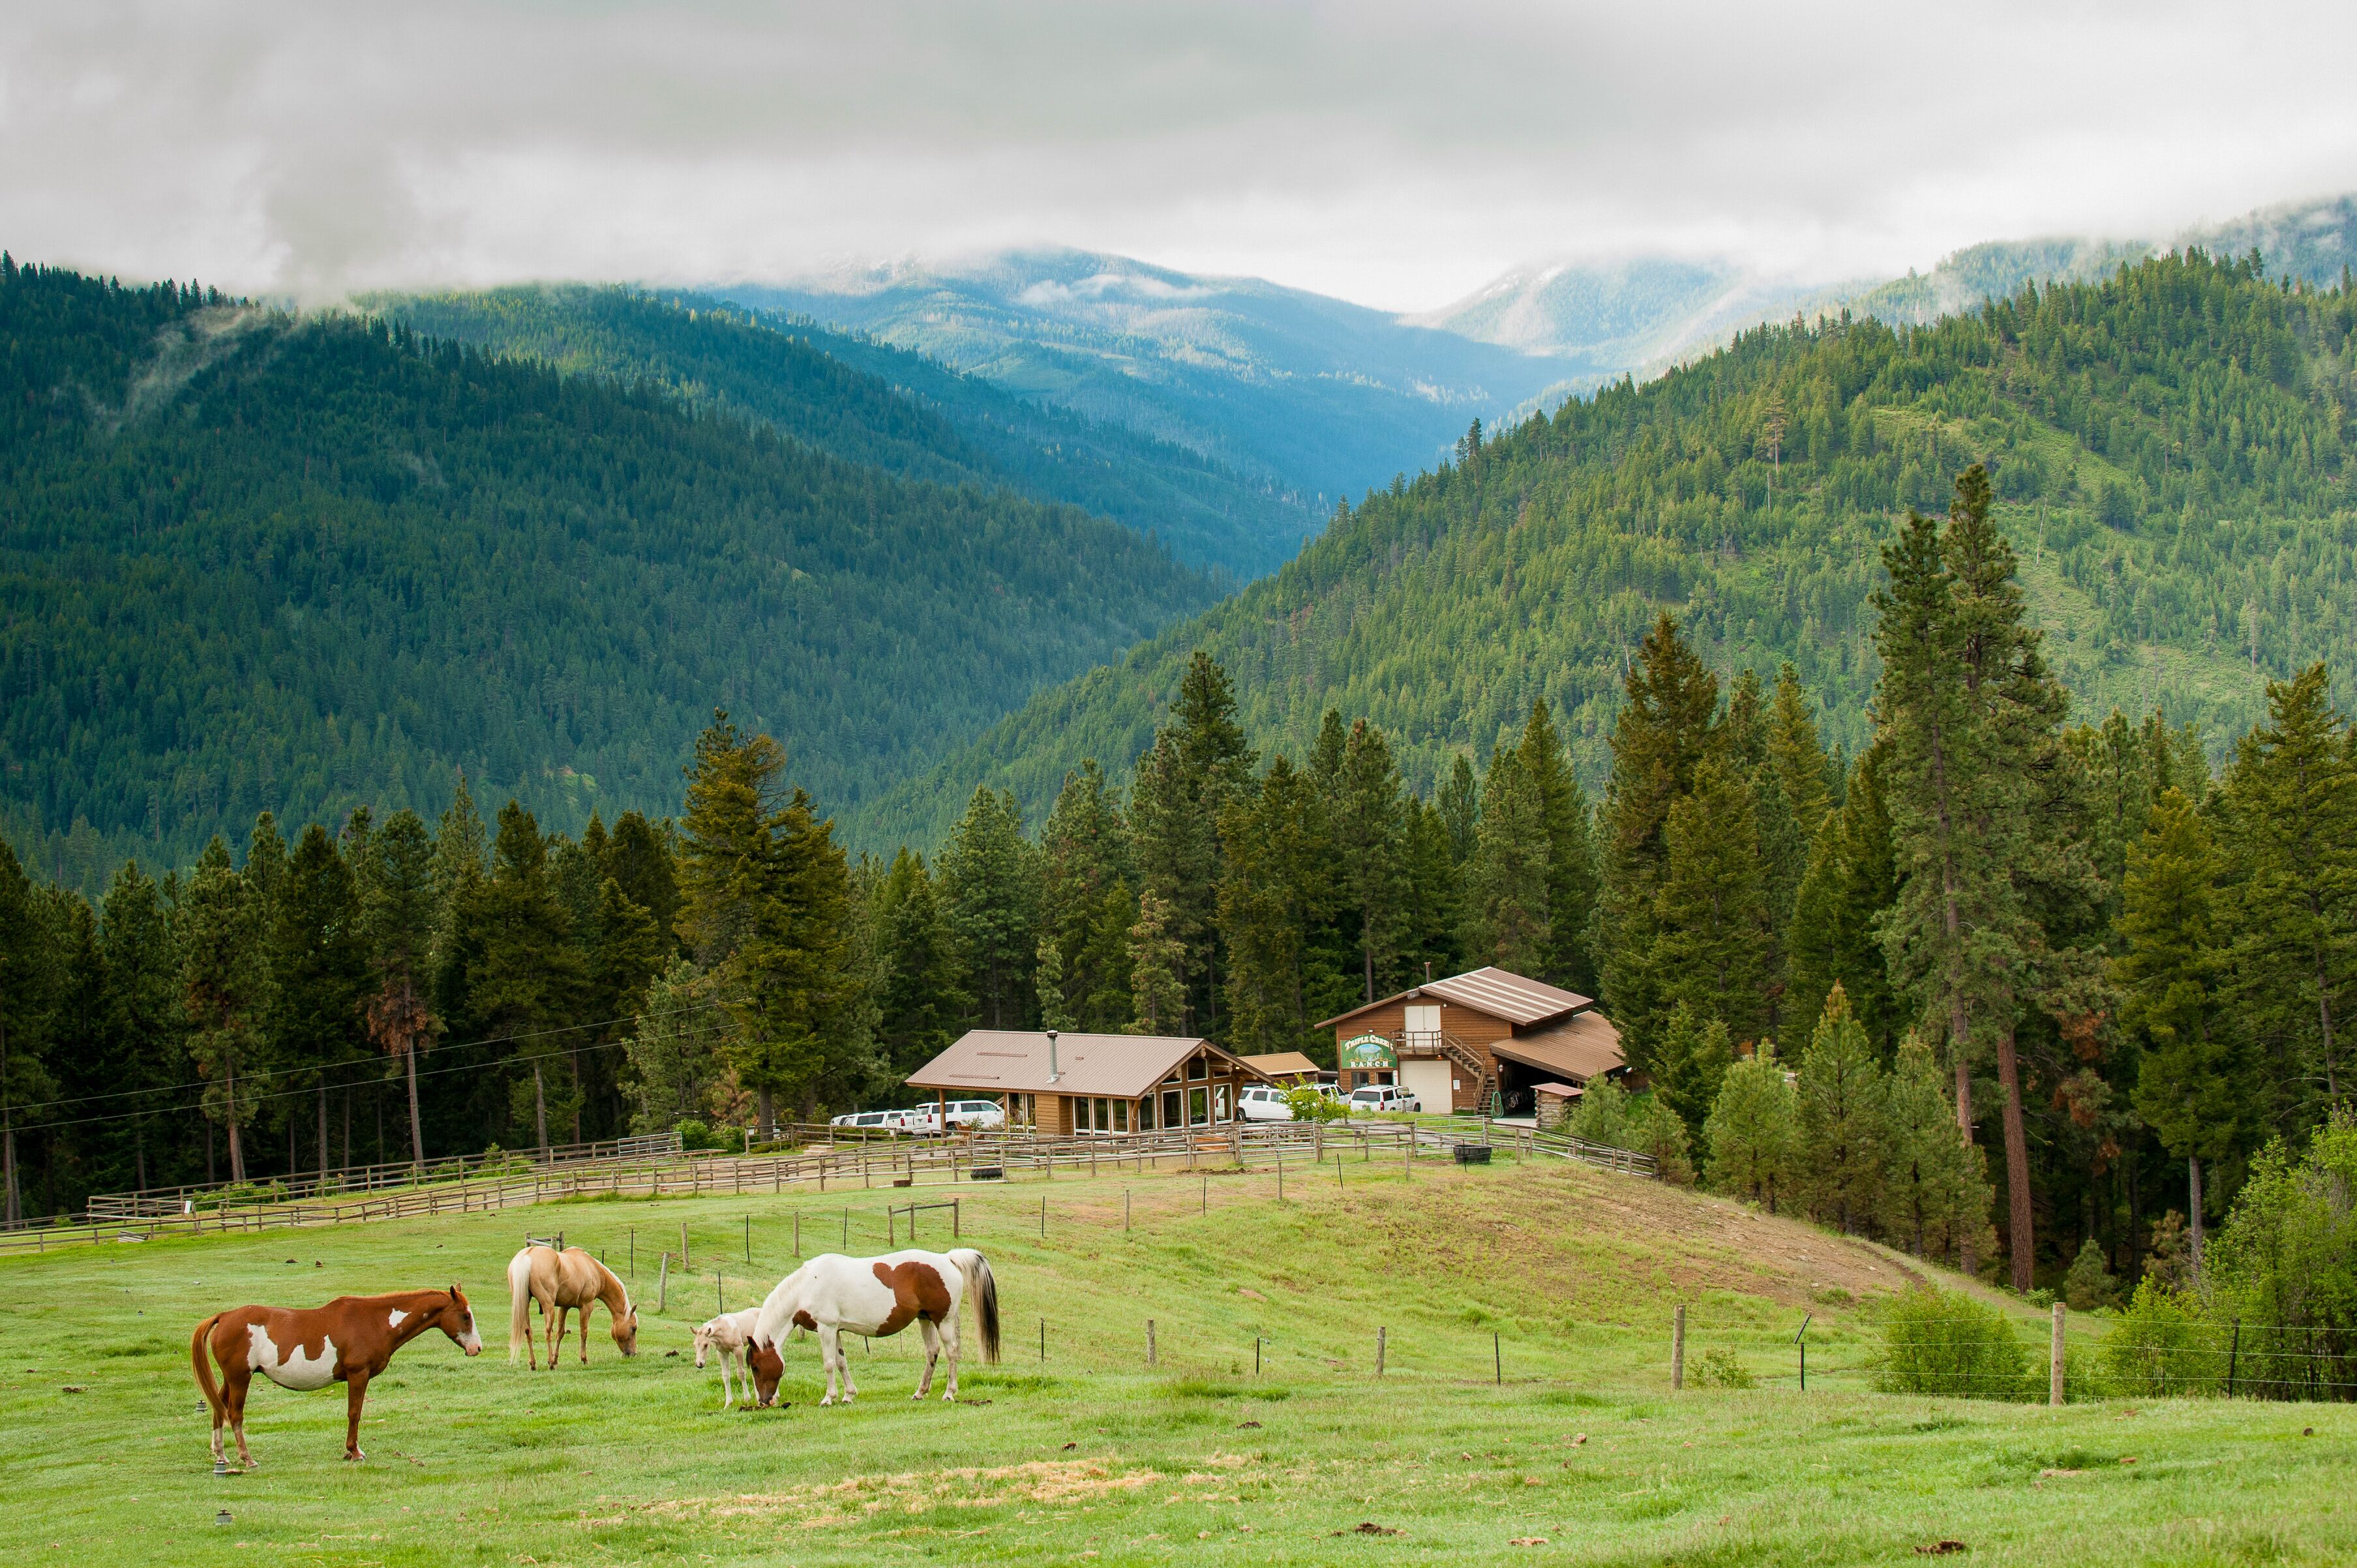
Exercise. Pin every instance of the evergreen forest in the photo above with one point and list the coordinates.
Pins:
(2167, 454)
(251, 561)
(868, 402)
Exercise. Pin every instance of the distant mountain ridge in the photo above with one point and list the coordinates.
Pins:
(1317, 394)
(1642, 314)
(867, 401)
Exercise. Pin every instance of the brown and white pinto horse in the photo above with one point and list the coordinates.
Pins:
(832, 1296)
(348, 1341)
(559, 1282)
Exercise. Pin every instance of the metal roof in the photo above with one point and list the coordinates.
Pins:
(1499, 993)
(1124, 1066)
(1583, 1047)
(1282, 1064)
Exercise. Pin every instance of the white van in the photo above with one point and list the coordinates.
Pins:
(1369, 1098)
(985, 1114)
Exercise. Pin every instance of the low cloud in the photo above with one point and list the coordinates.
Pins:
(1395, 154)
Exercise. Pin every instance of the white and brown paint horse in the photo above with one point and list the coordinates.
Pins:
(729, 1337)
(348, 1341)
(832, 1296)
(561, 1281)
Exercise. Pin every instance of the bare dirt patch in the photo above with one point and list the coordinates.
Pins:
(1053, 1482)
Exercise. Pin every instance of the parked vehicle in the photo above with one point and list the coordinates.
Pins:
(1369, 1098)
(987, 1115)
(1259, 1102)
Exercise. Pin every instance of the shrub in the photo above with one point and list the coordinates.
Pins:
(1718, 1369)
(693, 1134)
(2163, 1344)
(1935, 1342)
(1310, 1105)
(2089, 1286)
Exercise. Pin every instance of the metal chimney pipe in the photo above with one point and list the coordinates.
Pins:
(1052, 1073)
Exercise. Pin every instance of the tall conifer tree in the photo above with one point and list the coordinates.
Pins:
(1198, 764)
(1568, 958)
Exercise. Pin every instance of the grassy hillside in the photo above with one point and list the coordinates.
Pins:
(249, 561)
(2168, 448)
(867, 401)
(1087, 1451)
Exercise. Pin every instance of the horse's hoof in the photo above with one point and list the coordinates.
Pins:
(949, 1398)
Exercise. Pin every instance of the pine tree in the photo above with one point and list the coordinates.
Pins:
(1710, 918)
(1843, 1132)
(225, 983)
(1088, 898)
(1277, 896)
(727, 856)
(1851, 879)
(318, 965)
(1690, 1063)
(990, 900)
(1365, 820)
(1049, 981)
(628, 948)
(525, 979)
(1935, 1188)
(922, 1004)
(2189, 1088)
(2289, 831)
(1434, 894)
(1506, 881)
(1568, 958)
(802, 1031)
(638, 858)
(1970, 720)
(401, 873)
(674, 1061)
(1664, 730)
(144, 1024)
(1157, 967)
(1751, 1131)
(1198, 764)
(461, 862)
(1797, 757)
(24, 1016)
(1460, 810)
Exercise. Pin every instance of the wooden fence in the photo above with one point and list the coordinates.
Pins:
(910, 1162)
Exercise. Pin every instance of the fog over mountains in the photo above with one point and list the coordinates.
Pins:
(1325, 398)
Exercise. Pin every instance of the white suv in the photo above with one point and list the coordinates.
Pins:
(986, 1114)
(1260, 1103)
(1373, 1097)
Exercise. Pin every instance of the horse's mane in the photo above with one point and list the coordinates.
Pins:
(629, 1307)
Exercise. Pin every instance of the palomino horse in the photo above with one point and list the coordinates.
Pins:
(348, 1341)
(572, 1279)
(832, 1296)
(730, 1338)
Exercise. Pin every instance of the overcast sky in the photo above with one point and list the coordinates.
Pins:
(1392, 154)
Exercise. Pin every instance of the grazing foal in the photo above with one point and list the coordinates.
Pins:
(348, 1341)
(729, 1337)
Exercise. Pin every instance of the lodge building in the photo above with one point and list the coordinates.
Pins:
(1486, 1040)
(1062, 1084)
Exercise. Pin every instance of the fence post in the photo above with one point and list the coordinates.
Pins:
(1125, 1208)
(663, 1284)
(2054, 1368)
(684, 1260)
(1256, 1355)
(1150, 1356)
(1043, 1339)
(846, 1229)
(798, 1232)
(748, 1239)
(719, 1293)
(634, 1251)
(2235, 1359)
(1043, 1236)
(956, 1233)
(1382, 1337)
(1497, 1360)
(1678, 1349)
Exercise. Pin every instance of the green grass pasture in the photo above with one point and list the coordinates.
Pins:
(1524, 1399)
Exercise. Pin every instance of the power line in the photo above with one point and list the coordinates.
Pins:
(310, 1090)
(283, 1072)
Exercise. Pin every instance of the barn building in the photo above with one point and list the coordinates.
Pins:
(1480, 1041)
(1063, 1084)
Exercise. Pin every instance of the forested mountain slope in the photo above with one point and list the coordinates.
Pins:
(2169, 449)
(249, 561)
(1319, 394)
(867, 402)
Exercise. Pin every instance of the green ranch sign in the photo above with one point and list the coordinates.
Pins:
(1366, 1052)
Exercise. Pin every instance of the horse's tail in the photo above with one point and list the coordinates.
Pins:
(519, 1302)
(984, 1288)
(200, 1357)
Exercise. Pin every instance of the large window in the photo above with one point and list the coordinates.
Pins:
(1170, 1113)
(1199, 1107)
(1145, 1114)
(1219, 1104)
(1121, 1115)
